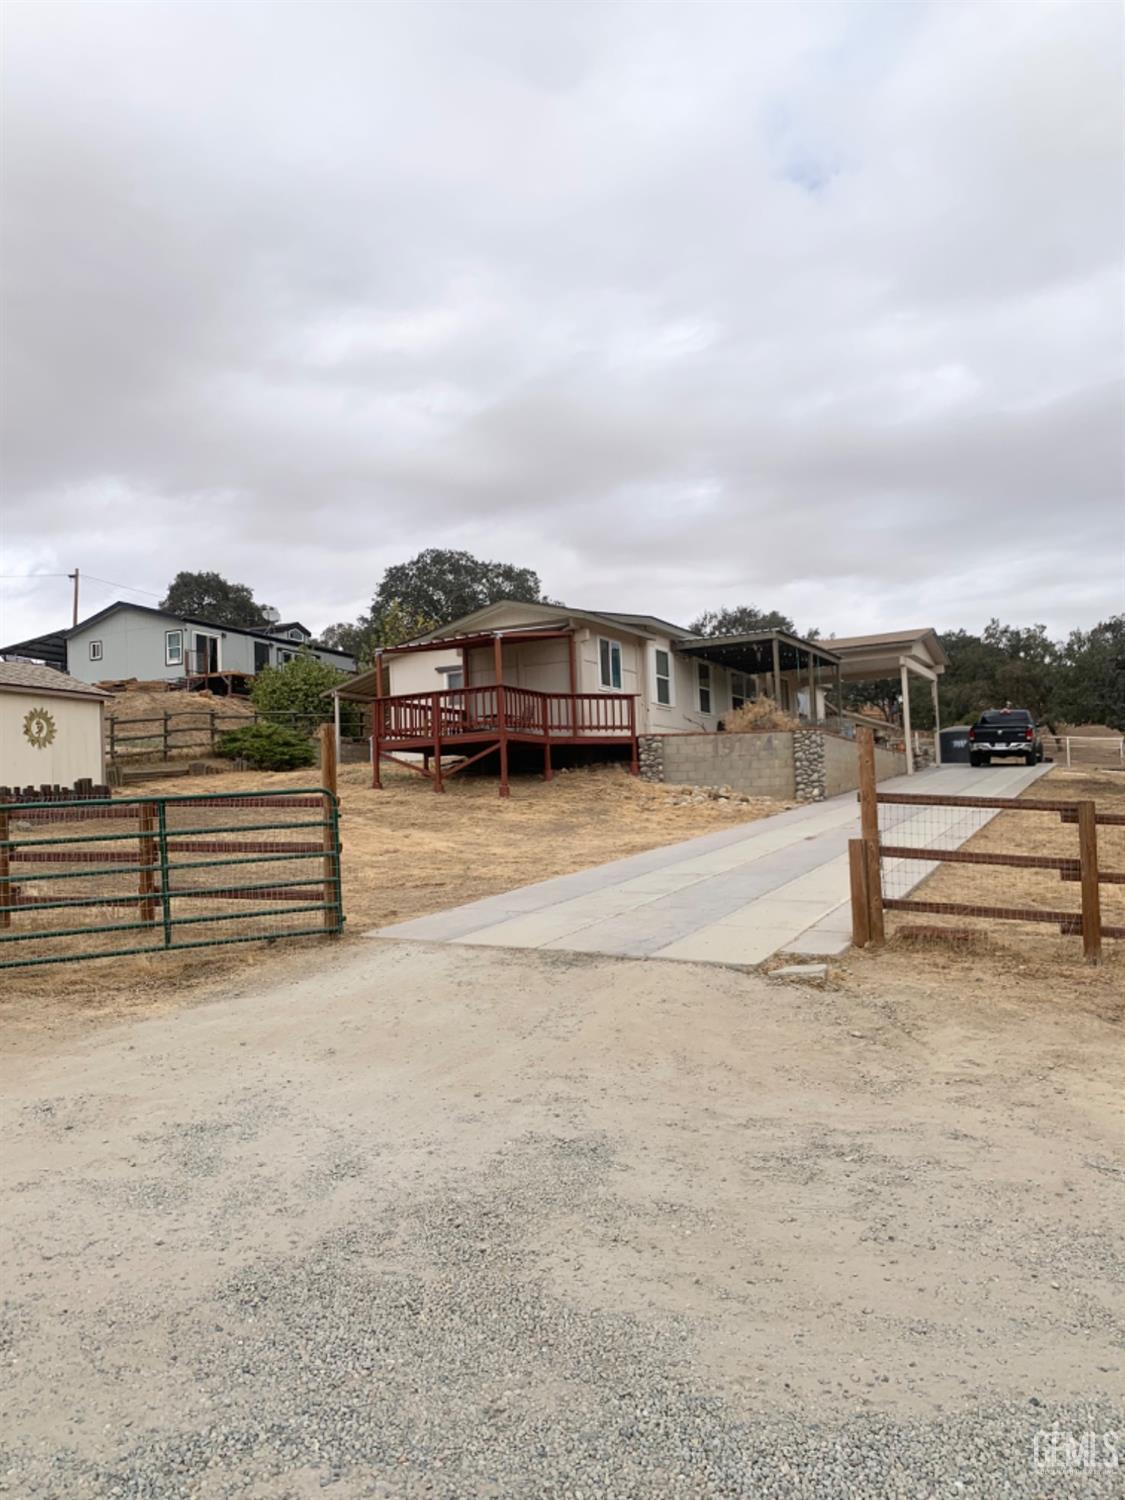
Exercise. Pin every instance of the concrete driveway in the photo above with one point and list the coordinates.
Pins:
(735, 897)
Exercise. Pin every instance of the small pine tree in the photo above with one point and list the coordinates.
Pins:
(267, 747)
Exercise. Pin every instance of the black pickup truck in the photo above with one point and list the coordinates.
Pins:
(1005, 731)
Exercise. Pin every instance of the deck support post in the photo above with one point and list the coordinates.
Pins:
(937, 723)
(839, 699)
(548, 769)
(501, 714)
(635, 762)
(813, 715)
(435, 725)
(776, 672)
(377, 725)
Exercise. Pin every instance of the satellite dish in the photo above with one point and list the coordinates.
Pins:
(272, 615)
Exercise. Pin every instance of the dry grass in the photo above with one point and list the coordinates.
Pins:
(190, 726)
(1033, 949)
(406, 851)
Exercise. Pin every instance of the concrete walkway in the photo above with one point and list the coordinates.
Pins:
(734, 897)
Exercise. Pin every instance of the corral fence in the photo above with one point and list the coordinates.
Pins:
(906, 836)
(89, 878)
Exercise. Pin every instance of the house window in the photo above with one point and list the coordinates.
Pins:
(609, 663)
(173, 648)
(283, 656)
(741, 689)
(704, 670)
(663, 663)
(295, 635)
(454, 677)
(95, 650)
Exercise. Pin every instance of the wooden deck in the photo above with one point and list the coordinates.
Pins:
(477, 721)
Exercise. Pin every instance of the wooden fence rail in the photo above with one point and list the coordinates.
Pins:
(866, 854)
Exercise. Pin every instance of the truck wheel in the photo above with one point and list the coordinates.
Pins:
(974, 758)
(1030, 758)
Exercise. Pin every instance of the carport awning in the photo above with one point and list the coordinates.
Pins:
(754, 653)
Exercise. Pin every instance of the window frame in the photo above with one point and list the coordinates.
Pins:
(747, 693)
(96, 651)
(705, 688)
(614, 649)
(658, 677)
(169, 659)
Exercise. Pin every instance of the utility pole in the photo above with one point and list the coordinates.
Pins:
(74, 577)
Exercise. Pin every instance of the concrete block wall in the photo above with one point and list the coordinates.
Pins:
(841, 764)
(805, 765)
(761, 764)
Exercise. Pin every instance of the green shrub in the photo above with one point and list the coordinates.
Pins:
(267, 747)
(295, 694)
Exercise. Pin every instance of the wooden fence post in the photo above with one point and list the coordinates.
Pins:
(857, 872)
(328, 777)
(330, 869)
(112, 739)
(5, 866)
(869, 828)
(1091, 893)
(146, 843)
(213, 742)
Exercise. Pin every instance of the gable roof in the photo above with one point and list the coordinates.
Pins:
(29, 677)
(539, 613)
(856, 644)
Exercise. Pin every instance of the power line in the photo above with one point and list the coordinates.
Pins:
(128, 587)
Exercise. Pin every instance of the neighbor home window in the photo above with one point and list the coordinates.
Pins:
(609, 663)
(664, 678)
(294, 635)
(454, 677)
(95, 650)
(173, 648)
(704, 687)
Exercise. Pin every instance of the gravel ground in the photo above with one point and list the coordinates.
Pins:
(446, 1223)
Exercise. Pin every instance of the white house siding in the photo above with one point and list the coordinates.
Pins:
(418, 673)
(74, 753)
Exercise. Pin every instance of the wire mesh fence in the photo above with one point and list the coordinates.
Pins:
(99, 879)
(1033, 861)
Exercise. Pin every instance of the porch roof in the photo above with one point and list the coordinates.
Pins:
(753, 653)
(361, 688)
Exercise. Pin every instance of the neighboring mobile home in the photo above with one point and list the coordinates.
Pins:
(126, 641)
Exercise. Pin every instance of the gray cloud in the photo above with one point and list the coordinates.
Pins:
(815, 306)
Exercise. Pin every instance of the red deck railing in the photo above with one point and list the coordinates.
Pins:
(517, 711)
(485, 720)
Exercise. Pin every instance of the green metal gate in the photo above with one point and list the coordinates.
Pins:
(73, 860)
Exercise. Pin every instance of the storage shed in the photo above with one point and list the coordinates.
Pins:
(50, 727)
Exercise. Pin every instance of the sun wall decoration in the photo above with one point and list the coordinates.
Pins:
(39, 728)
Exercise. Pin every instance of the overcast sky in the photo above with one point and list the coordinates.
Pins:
(816, 307)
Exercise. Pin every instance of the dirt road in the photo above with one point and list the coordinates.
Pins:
(450, 1223)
